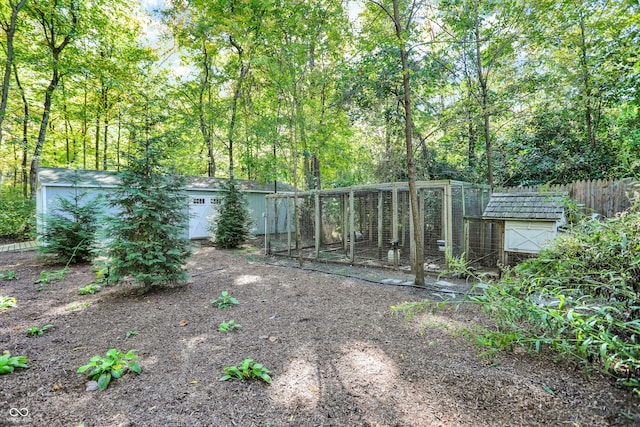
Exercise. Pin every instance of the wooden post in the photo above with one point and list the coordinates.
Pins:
(448, 225)
(267, 235)
(412, 243)
(352, 231)
(345, 221)
(394, 216)
(380, 224)
(289, 226)
(318, 231)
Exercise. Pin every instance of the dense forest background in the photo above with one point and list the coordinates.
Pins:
(311, 92)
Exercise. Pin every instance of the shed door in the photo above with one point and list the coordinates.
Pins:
(200, 209)
(528, 237)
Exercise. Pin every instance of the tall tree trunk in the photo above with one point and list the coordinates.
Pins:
(411, 170)
(586, 82)
(97, 142)
(9, 29)
(25, 131)
(105, 145)
(237, 92)
(204, 127)
(50, 27)
(484, 96)
(85, 126)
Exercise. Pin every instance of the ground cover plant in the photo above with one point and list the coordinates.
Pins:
(39, 330)
(337, 354)
(8, 275)
(89, 289)
(224, 300)
(7, 302)
(246, 370)
(9, 364)
(113, 365)
(228, 326)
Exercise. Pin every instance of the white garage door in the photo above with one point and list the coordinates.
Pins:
(201, 207)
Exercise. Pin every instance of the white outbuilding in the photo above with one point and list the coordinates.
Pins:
(529, 220)
(205, 194)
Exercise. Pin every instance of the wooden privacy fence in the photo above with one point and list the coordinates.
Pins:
(605, 197)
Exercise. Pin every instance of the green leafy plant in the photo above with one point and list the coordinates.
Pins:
(246, 371)
(8, 275)
(89, 289)
(112, 366)
(8, 364)
(131, 334)
(229, 326)
(231, 226)
(102, 272)
(77, 306)
(17, 215)
(32, 332)
(46, 277)
(224, 300)
(7, 302)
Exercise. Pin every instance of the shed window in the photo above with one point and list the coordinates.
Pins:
(198, 201)
(216, 201)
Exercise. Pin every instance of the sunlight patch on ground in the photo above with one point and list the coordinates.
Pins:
(373, 378)
(298, 386)
(246, 279)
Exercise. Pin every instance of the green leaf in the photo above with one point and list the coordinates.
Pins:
(103, 381)
(135, 367)
(5, 369)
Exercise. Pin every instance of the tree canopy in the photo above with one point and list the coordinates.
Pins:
(313, 92)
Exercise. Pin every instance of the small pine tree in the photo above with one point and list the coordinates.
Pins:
(70, 231)
(149, 234)
(231, 225)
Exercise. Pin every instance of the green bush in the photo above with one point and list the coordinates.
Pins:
(70, 230)
(17, 216)
(580, 297)
(149, 240)
(231, 225)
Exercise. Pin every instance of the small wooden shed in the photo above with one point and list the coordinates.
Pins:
(529, 220)
(204, 195)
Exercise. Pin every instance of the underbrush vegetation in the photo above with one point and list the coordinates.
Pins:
(580, 298)
(17, 216)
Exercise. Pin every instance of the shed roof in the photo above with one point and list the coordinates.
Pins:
(92, 178)
(525, 206)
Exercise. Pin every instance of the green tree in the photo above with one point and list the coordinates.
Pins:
(70, 230)
(231, 226)
(9, 28)
(149, 243)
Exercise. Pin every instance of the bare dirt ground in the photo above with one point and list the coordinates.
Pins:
(338, 356)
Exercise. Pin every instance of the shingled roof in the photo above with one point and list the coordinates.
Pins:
(92, 178)
(525, 206)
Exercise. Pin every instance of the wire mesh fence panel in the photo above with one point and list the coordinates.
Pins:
(372, 224)
(280, 227)
(433, 225)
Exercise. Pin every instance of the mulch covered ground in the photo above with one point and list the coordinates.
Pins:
(337, 354)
